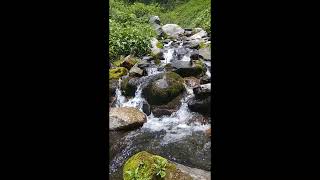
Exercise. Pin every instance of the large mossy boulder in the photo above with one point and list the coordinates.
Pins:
(126, 118)
(144, 165)
(165, 89)
(116, 73)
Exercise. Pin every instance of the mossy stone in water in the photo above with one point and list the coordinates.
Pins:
(144, 163)
(127, 88)
(116, 73)
(200, 67)
(165, 89)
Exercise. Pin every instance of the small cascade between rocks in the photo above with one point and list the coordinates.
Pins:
(178, 136)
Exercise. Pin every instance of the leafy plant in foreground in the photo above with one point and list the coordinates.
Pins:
(161, 167)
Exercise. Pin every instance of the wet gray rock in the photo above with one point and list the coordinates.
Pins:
(199, 35)
(113, 85)
(194, 55)
(205, 53)
(135, 71)
(128, 86)
(202, 106)
(188, 33)
(205, 79)
(202, 91)
(154, 20)
(196, 174)
(126, 118)
(167, 109)
(181, 52)
(195, 43)
(143, 64)
(146, 108)
(186, 68)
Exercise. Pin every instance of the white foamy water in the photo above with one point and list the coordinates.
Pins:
(186, 57)
(176, 125)
(120, 99)
(152, 70)
(169, 44)
(168, 56)
(136, 101)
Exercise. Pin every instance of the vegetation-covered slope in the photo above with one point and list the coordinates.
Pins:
(130, 32)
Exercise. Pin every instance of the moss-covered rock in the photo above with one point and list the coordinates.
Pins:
(143, 165)
(200, 67)
(165, 89)
(116, 73)
(129, 62)
(128, 89)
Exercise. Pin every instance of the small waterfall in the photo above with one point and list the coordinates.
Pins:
(168, 56)
(176, 125)
(120, 99)
(165, 134)
(136, 101)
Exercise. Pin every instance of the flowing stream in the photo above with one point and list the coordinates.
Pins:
(175, 137)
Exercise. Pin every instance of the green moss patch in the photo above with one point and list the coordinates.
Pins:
(160, 45)
(116, 73)
(158, 96)
(146, 166)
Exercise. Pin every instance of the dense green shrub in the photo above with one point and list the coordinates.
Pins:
(130, 32)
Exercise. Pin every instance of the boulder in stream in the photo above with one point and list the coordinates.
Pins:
(205, 79)
(135, 71)
(202, 91)
(167, 109)
(199, 35)
(148, 166)
(202, 106)
(126, 118)
(129, 62)
(163, 90)
(127, 88)
(205, 53)
(172, 30)
(113, 85)
(189, 68)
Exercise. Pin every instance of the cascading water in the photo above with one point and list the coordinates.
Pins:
(175, 136)
(176, 126)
